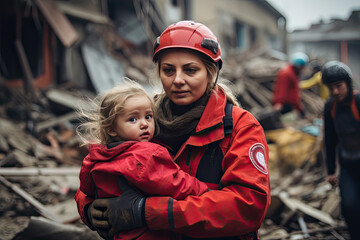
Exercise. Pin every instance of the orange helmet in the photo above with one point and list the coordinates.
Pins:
(190, 35)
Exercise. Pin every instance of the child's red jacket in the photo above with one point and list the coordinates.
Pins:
(145, 165)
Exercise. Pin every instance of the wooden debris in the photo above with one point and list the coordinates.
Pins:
(4, 146)
(66, 211)
(18, 158)
(21, 141)
(58, 21)
(28, 79)
(256, 71)
(36, 204)
(65, 98)
(295, 204)
(332, 205)
(42, 228)
(56, 121)
(30, 171)
(303, 226)
(134, 73)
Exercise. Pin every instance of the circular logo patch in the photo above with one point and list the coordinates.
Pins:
(257, 157)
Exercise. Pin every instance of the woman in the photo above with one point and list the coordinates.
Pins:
(212, 139)
(342, 135)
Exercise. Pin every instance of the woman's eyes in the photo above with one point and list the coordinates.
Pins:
(168, 70)
(187, 70)
(190, 70)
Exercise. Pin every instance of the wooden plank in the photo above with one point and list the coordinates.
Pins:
(56, 121)
(58, 21)
(280, 234)
(81, 12)
(319, 230)
(28, 77)
(65, 98)
(303, 226)
(259, 92)
(30, 171)
(295, 204)
(35, 203)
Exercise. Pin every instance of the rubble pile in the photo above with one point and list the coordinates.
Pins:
(40, 159)
(253, 75)
(303, 205)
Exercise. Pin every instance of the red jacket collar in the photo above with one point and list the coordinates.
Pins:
(210, 127)
(214, 110)
(100, 152)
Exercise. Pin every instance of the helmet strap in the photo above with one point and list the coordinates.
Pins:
(217, 74)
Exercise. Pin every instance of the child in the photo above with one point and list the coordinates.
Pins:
(122, 128)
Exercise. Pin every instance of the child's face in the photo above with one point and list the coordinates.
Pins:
(136, 123)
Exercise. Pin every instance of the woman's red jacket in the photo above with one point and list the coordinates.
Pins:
(239, 202)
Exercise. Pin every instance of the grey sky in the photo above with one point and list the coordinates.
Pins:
(300, 14)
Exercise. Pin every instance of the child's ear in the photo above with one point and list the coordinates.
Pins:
(111, 132)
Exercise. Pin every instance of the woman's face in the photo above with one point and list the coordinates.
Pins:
(183, 76)
(338, 90)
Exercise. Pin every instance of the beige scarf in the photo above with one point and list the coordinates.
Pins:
(177, 123)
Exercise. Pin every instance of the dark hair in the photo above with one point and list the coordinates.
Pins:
(335, 71)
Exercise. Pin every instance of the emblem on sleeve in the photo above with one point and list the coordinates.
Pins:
(257, 157)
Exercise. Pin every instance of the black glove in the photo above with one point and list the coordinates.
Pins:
(95, 216)
(125, 212)
(302, 114)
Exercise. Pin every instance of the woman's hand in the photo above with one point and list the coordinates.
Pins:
(117, 214)
(95, 215)
(333, 180)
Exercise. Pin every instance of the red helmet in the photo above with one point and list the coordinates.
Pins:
(190, 35)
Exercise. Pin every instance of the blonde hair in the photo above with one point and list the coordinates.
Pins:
(101, 114)
(211, 70)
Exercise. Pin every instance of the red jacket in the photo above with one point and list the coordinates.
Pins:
(286, 88)
(147, 166)
(239, 205)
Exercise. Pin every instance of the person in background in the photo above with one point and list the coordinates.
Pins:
(286, 92)
(342, 137)
(315, 80)
(122, 124)
(212, 139)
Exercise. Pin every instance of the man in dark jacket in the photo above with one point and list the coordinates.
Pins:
(342, 136)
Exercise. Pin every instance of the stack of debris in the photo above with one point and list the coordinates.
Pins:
(303, 204)
(40, 160)
(253, 75)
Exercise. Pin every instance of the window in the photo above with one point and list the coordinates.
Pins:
(240, 35)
